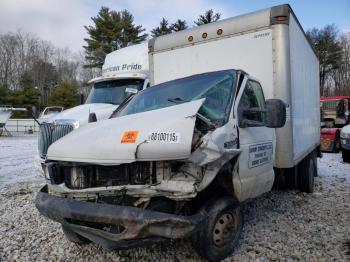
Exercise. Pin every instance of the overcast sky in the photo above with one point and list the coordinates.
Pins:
(62, 21)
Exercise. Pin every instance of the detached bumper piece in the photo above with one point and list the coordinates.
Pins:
(116, 227)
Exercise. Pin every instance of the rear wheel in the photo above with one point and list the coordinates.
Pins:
(74, 237)
(306, 173)
(221, 232)
(346, 155)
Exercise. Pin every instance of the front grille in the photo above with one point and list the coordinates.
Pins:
(49, 133)
(90, 176)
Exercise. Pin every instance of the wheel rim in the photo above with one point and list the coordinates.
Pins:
(224, 229)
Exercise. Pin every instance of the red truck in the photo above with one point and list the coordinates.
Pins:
(334, 114)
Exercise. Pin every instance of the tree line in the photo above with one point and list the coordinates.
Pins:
(35, 72)
(333, 51)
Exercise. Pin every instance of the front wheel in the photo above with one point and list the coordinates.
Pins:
(220, 233)
(346, 155)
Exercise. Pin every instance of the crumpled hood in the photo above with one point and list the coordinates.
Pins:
(161, 134)
(82, 112)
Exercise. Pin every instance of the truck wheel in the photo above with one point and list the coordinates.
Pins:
(306, 174)
(74, 237)
(346, 155)
(221, 231)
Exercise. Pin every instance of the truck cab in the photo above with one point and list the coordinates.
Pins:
(335, 111)
(124, 73)
(167, 148)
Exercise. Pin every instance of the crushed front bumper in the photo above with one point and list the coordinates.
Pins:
(139, 226)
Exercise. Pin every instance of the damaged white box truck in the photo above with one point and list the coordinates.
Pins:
(179, 158)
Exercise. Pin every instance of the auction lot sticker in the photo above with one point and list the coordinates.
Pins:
(129, 137)
(260, 154)
(164, 137)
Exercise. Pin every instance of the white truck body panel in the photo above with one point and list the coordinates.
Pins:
(200, 58)
(278, 55)
(305, 112)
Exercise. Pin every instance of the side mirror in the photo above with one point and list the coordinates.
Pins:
(275, 113)
(92, 117)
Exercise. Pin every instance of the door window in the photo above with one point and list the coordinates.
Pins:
(251, 108)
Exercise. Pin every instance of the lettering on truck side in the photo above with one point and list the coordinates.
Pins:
(123, 67)
(260, 154)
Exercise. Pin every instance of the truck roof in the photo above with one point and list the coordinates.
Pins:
(330, 98)
(235, 25)
(127, 62)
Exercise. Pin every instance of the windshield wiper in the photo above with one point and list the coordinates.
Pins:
(177, 100)
(122, 105)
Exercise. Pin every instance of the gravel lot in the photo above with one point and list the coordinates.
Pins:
(279, 226)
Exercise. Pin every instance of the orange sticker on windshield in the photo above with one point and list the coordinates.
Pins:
(129, 137)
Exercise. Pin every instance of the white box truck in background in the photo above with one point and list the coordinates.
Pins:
(180, 157)
(124, 72)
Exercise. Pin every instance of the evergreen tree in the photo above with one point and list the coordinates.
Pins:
(162, 29)
(179, 25)
(207, 18)
(111, 31)
(65, 94)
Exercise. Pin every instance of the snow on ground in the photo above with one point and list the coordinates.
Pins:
(279, 226)
(17, 159)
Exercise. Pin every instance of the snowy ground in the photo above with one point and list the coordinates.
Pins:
(17, 159)
(279, 226)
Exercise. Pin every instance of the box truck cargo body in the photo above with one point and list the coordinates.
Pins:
(233, 103)
(269, 45)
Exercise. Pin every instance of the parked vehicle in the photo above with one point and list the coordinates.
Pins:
(125, 72)
(5, 114)
(330, 140)
(177, 159)
(335, 111)
(49, 112)
(345, 143)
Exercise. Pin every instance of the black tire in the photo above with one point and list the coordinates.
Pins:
(346, 155)
(220, 233)
(74, 237)
(306, 174)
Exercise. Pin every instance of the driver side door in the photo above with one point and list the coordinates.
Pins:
(256, 142)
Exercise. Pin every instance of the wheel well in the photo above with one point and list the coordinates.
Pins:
(222, 184)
